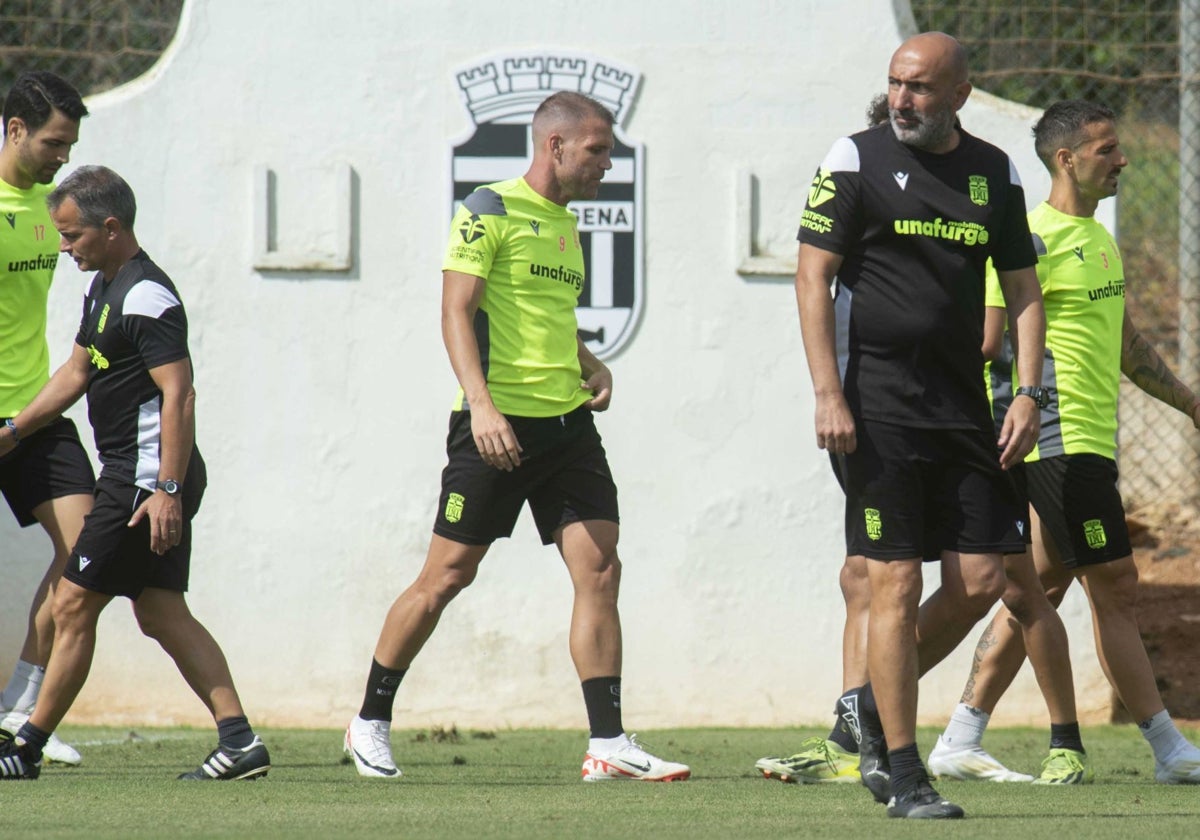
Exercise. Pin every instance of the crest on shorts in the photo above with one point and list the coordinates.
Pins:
(501, 93)
(979, 189)
(454, 507)
(1093, 530)
(874, 523)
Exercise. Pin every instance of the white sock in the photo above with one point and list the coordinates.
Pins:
(22, 690)
(1160, 732)
(966, 727)
(603, 746)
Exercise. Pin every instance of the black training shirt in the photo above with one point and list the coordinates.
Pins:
(131, 324)
(916, 230)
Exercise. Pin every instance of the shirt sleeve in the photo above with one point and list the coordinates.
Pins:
(154, 322)
(993, 295)
(1012, 247)
(475, 234)
(81, 336)
(831, 218)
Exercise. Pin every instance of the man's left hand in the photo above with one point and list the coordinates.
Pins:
(166, 520)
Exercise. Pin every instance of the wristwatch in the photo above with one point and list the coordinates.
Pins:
(170, 486)
(1039, 395)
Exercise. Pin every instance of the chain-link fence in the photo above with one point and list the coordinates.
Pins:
(95, 45)
(1143, 60)
(1127, 55)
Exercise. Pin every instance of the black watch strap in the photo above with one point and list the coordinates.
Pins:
(1038, 394)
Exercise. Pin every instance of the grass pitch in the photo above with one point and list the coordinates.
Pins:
(525, 783)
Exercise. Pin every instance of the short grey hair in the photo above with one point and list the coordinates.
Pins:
(98, 192)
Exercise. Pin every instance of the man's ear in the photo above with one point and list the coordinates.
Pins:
(962, 92)
(15, 129)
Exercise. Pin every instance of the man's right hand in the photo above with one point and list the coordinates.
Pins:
(835, 424)
(494, 438)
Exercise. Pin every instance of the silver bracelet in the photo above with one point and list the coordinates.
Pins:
(12, 427)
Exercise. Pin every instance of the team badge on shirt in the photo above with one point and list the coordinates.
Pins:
(501, 93)
(978, 186)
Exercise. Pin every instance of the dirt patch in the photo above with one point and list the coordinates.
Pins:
(1166, 542)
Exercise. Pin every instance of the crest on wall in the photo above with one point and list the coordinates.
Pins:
(501, 93)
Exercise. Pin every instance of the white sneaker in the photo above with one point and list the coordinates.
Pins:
(368, 743)
(55, 749)
(1181, 768)
(970, 764)
(630, 761)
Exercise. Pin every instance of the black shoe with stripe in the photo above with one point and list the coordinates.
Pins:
(17, 760)
(227, 765)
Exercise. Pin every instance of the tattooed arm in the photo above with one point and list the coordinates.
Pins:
(1146, 369)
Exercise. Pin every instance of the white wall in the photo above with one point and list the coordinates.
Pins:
(323, 396)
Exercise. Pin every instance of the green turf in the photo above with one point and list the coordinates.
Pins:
(525, 784)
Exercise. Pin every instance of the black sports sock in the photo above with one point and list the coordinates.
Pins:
(381, 692)
(602, 697)
(35, 738)
(1065, 736)
(907, 769)
(845, 732)
(234, 733)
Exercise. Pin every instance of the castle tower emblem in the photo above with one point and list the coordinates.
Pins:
(501, 93)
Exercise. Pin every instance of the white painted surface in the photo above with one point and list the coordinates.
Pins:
(323, 396)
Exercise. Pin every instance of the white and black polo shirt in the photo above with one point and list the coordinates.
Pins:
(131, 324)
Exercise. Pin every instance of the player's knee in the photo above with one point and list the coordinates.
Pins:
(608, 576)
(444, 587)
(610, 567)
(1055, 594)
(1114, 586)
(162, 613)
(68, 610)
(981, 592)
(856, 586)
(1024, 603)
(148, 622)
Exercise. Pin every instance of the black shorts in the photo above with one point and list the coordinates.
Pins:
(114, 559)
(1020, 484)
(838, 463)
(49, 464)
(564, 476)
(919, 492)
(1077, 499)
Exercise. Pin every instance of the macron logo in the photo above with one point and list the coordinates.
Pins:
(83, 562)
(901, 179)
